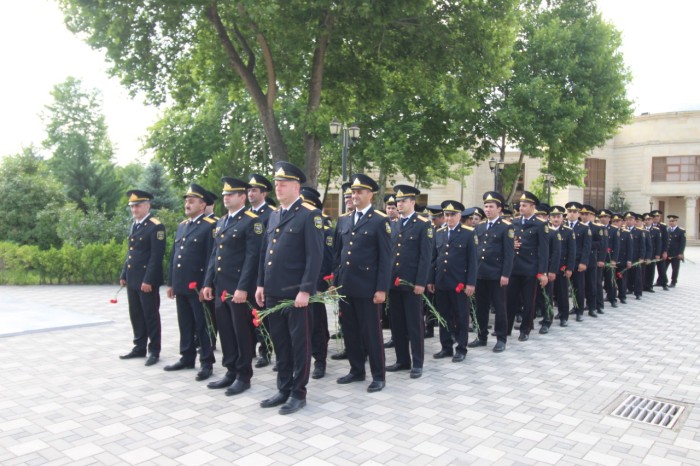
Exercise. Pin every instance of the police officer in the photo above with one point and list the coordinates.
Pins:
(611, 257)
(390, 207)
(634, 279)
(233, 268)
(142, 275)
(436, 215)
(210, 305)
(412, 253)
(676, 247)
(495, 252)
(319, 318)
(583, 237)
(363, 270)
(567, 262)
(453, 280)
(596, 259)
(347, 197)
(289, 269)
(624, 257)
(530, 265)
(662, 264)
(259, 187)
(655, 237)
(188, 264)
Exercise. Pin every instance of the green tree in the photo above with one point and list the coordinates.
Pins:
(155, 181)
(31, 198)
(617, 202)
(566, 94)
(78, 228)
(82, 153)
(294, 65)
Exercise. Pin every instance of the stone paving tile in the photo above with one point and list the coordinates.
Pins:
(541, 402)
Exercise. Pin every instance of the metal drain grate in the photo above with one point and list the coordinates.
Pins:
(649, 411)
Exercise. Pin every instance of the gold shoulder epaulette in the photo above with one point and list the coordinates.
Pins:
(444, 227)
(598, 224)
(422, 219)
(381, 214)
(468, 228)
(251, 214)
(506, 222)
(154, 221)
(662, 223)
(565, 226)
(349, 212)
(184, 221)
(541, 220)
(309, 206)
(209, 220)
(483, 221)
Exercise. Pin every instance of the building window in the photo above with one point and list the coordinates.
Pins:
(685, 168)
(594, 192)
(331, 205)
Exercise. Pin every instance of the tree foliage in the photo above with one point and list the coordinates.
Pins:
(407, 71)
(566, 94)
(82, 153)
(156, 181)
(31, 197)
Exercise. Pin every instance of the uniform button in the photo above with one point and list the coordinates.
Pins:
(447, 253)
(128, 266)
(349, 252)
(179, 256)
(271, 251)
(347, 263)
(398, 254)
(218, 258)
(277, 230)
(350, 243)
(274, 240)
(222, 236)
(446, 260)
(397, 264)
(221, 246)
(131, 248)
(184, 238)
(179, 265)
(129, 257)
(218, 269)
(132, 239)
(399, 245)
(353, 233)
(182, 247)
(269, 263)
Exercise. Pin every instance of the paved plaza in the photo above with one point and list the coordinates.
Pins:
(68, 399)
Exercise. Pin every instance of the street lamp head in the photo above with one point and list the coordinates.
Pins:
(501, 166)
(492, 163)
(335, 128)
(354, 131)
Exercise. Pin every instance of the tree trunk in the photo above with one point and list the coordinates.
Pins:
(509, 201)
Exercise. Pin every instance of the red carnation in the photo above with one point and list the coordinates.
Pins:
(113, 301)
(193, 285)
(397, 282)
(223, 296)
(255, 314)
(459, 288)
(609, 250)
(539, 275)
(329, 278)
(618, 275)
(256, 322)
(563, 268)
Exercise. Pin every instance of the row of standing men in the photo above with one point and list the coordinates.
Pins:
(258, 256)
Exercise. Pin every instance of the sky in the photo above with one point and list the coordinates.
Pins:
(37, 52)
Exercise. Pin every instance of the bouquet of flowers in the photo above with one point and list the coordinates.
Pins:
(431, 308)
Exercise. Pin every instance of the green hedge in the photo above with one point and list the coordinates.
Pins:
(90, 264)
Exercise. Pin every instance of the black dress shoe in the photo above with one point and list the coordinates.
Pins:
(523, 337)
(350, 378)
(133, 354)
(672, 285)
(476, 343)
(599, 311)
(518, 318)
(500, 347)
(638, 297)
(557, 316)
(416, 372)
(262, 362)
(458, 357)
(292, 406)
(563, 323)
(389, 343)
(544, 330)
(223, 382)
(623, 301)
(516, 327)
(204, 373)
(178, 366)
(375, 386)
(579, 318)
(429, 332)
(442, 354)
(665, 288)
(592, 314)
(613, 304)
(278, 399)
(152, 359)
(649, 290)
(275, 368)
(238, 387)
(319, 371)
(397, 367)
(342, 355)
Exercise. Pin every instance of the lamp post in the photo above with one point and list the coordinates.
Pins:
(496, 167)
(548, 182)
(350, 135)
(651, 204)
(622, 204)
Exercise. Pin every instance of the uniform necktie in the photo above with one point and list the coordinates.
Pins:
(449, 232)
(226, 221)
(404, 222)
(488, 227)
(135, 227)
(358, 216)
(283, 213)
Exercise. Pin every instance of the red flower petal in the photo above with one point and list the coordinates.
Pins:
(113, 301)
(329, 277)
(193, 285)
(256, 322)
(397, 282)
(223, 296)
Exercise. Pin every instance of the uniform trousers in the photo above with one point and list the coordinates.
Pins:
(319, 332)
(561, 294)
(675, 269)
(362, 333)
(578, 281)
(610, 284)
(237, 338)
(522, 291)
(649, 271)
(622, 281)
(600, 287)
(454, 308)
(661, 268)
(491, 293)
(407, 326)
(591, 286)
(144, 313)
(290, 329)
(192, 322)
